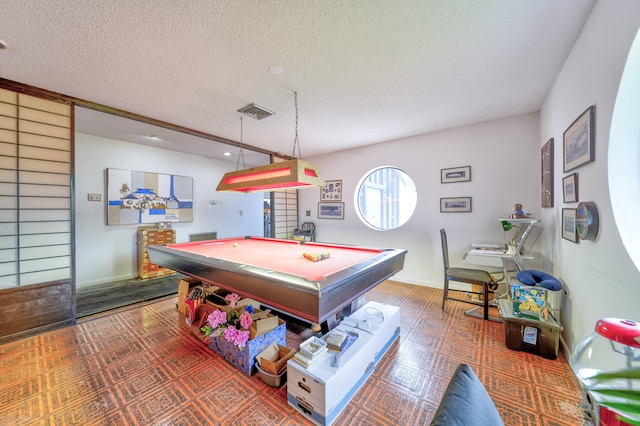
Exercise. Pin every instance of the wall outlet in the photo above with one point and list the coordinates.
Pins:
(94, 197)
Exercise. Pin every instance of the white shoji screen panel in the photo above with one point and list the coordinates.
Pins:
(285, 212)
(35, 190)
(284, 205)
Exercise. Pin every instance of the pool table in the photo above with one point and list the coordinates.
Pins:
(277, 274)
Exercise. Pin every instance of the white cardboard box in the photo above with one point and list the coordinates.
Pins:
(381, 320)
(321, 391)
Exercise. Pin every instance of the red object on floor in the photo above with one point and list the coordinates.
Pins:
(609, 418)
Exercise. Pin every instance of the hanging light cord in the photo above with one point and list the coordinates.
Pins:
(296, 144)
(296, 141)
(241, 153)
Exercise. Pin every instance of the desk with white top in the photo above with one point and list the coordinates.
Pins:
(527, 229)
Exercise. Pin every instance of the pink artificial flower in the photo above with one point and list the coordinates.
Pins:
(245, 320)
(241, 339)
(232, 298)
(217, 317)
(230, 334)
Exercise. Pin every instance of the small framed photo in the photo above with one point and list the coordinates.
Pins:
(455, 174)
(331, 191)
(328, 210)
(455, 205)
(570, 188)
(569, 225)
(579, 141)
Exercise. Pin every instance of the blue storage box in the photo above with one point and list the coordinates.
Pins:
(245, 359)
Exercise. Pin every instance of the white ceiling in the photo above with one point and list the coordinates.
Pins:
(365, 71)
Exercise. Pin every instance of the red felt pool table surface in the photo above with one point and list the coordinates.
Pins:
(281, 255)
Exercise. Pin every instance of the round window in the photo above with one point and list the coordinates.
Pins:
(624, 155)
(385, 198)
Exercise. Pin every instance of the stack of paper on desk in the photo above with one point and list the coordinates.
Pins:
(486, 248)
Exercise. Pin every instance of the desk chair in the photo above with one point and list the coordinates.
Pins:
(475, 277)
(310, 227)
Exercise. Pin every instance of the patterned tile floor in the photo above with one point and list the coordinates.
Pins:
(142, 367)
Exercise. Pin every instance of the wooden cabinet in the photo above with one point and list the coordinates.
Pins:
(152, 236)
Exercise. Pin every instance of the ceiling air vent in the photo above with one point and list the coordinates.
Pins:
(256, 111)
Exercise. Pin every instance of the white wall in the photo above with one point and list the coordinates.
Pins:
(505, 169)
(601, 279)
(107, 253)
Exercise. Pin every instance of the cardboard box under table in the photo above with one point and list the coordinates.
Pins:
(272, 364)
(245, 359)
(529, 335)
(263, 323)
(321, 391)
(184, 287)
(274, 358)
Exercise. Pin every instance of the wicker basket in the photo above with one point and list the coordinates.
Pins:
(312, 347)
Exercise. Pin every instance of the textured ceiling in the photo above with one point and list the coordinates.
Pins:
(366, 71)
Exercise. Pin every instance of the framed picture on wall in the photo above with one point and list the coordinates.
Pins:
(455, 205)
(455, 174)
(330, 210)
(569, 225)
(579, 140)
(331, 191)
(570, 188)
(546, 187)
(135, 197)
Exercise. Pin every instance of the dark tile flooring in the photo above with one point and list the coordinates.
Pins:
(142, 367)
(98, 298)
